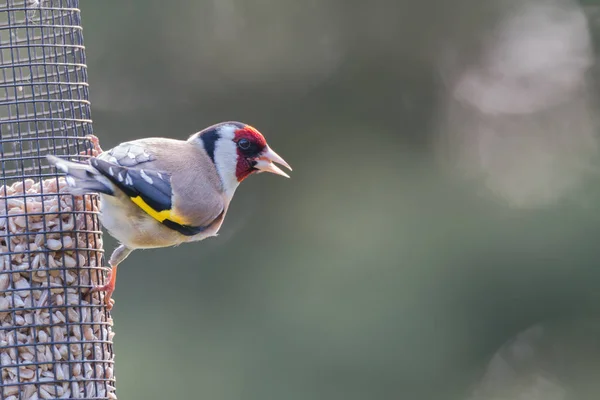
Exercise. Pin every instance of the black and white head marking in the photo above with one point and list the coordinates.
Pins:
(218, 144)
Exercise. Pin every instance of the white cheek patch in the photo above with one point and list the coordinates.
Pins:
(226, 159)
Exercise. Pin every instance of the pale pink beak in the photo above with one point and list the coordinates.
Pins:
(264, 163)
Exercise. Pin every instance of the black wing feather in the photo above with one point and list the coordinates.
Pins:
(155, 188)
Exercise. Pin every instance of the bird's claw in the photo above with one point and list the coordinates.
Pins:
(96, 149)
(109, 288)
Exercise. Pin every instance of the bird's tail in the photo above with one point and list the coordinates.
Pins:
(82, 178)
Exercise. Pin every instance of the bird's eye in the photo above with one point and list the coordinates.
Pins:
(244, 144)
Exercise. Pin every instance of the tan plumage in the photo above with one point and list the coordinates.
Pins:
(161, 192)
(198, 198)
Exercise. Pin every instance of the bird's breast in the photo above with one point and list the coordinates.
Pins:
(134, 228)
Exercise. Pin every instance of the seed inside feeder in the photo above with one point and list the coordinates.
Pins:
(54, 334)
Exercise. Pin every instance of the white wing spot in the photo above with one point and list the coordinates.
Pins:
(70, 181)
(146, 177)
(120, 177)
(128, 180)
(131, 155)
(159, 175)
(111, 172)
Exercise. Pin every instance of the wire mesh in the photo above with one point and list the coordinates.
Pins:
(55, 337)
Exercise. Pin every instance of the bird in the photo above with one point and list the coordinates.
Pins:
(160, 192)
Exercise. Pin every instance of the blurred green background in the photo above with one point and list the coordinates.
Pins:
(418, 233)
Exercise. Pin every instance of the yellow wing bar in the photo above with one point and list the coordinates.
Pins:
(160, 216)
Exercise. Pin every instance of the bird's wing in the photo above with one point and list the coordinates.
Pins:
(135, 169)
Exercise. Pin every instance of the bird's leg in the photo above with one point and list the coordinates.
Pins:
(96, 150)
(116, 258)
(109, 288)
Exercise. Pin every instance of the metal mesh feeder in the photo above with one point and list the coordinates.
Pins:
(55, 336)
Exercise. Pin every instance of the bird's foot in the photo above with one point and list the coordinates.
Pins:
(109, 288)
(96, 150)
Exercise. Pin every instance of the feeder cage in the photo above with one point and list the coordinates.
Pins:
(55, 336)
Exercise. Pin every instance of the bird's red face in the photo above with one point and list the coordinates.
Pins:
(254, 155)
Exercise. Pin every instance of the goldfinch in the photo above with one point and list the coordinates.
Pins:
(161, 192)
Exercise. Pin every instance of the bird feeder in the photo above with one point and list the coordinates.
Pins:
(55, 335)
